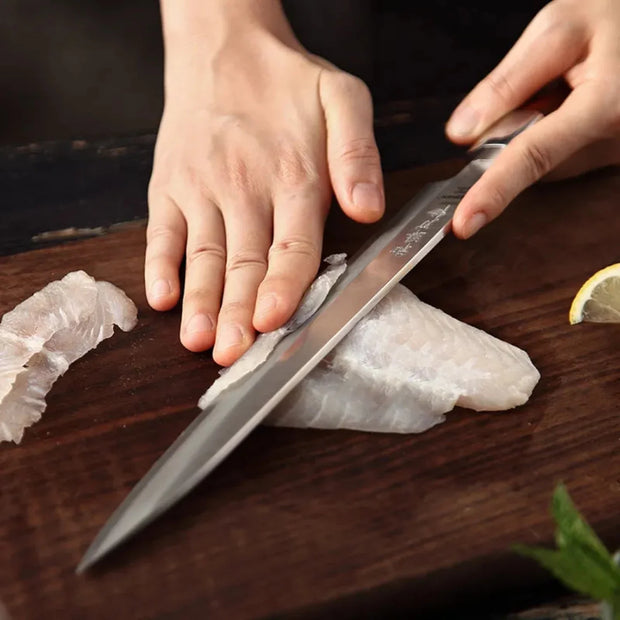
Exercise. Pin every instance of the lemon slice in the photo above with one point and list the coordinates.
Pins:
(598, 300)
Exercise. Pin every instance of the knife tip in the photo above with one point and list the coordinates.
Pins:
(106, 540)
(83, 566)
(93, 554)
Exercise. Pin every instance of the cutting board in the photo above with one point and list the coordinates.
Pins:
(310, 523)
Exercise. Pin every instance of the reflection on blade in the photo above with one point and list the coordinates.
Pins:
(376, 268)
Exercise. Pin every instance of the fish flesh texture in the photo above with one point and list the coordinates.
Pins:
(404, 366)
(47, 332)
(400, 369)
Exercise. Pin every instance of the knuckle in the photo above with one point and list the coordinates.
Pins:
(240, 177)
(537, 160)
(352, 86)
(192, 177)
(227, 122)
(246, 259)
(552, 15)
(492, 195)
(160, 233)
(205, 251)
(500, 86)
(548, 16)
(199, 298)
(295, 169)
(156, 190)
(193, 185)
(186, 186)
(361, 151)
(295, 245)
(558, 26)
(288, 289)
(497, 199)
(234, 309)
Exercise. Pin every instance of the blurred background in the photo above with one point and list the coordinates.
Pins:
(86, 69)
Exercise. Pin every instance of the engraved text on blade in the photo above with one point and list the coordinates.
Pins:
(447, 203)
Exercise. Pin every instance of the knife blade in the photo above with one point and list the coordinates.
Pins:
(380, 264)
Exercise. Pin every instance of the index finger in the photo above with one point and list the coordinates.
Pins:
(579, 121)
(548, 47)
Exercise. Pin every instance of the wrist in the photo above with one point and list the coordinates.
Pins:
(209, 25)
(207, 41)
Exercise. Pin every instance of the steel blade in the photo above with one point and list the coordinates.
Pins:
(210, 438)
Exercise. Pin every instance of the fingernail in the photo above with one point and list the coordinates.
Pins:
(265, 305)
(229, 336)
(160, 288)
(464, 121)
(475, 223)
(367, 197)
(200, 323)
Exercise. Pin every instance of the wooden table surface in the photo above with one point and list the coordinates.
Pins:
(311, 524)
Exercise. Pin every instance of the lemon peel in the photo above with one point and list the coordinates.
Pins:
(598, 300)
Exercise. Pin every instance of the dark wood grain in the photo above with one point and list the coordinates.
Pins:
(317, 523)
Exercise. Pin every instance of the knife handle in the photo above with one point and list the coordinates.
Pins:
(496, 137)
(502, 132)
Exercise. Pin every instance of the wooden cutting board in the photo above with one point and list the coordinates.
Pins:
(317, 523)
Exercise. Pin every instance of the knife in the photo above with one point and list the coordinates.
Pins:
(383, 261)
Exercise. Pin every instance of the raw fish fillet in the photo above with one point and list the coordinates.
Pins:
(265, 343)
(46, 333)
(403, 367)
(400, 369)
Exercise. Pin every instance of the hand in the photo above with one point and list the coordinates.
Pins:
(578, 41)
(255, 134)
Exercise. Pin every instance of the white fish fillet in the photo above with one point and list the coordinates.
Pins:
(46, 333)
(265, 343)
(400, 369)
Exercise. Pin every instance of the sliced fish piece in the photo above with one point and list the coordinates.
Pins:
(83, 314)
(25, 329)
(403, 367)
(400, 369)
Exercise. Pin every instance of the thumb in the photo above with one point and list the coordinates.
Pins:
(352, 155)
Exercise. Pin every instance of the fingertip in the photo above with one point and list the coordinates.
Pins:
(366, 204)
(461, 140)
(458, 229)
(197, 344)
(462, 126)
(198, 333)
(271, 312)
(231, 342)
(162, 294)
(228, 356)
(163, 304)
(465, 227)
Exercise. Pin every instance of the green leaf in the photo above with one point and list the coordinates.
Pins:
(574, 532)
(581, 561)
(571, 526)
(575, 570)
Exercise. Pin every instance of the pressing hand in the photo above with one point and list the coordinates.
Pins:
(256, 134)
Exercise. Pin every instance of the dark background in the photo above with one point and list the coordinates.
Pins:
(86, 69)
